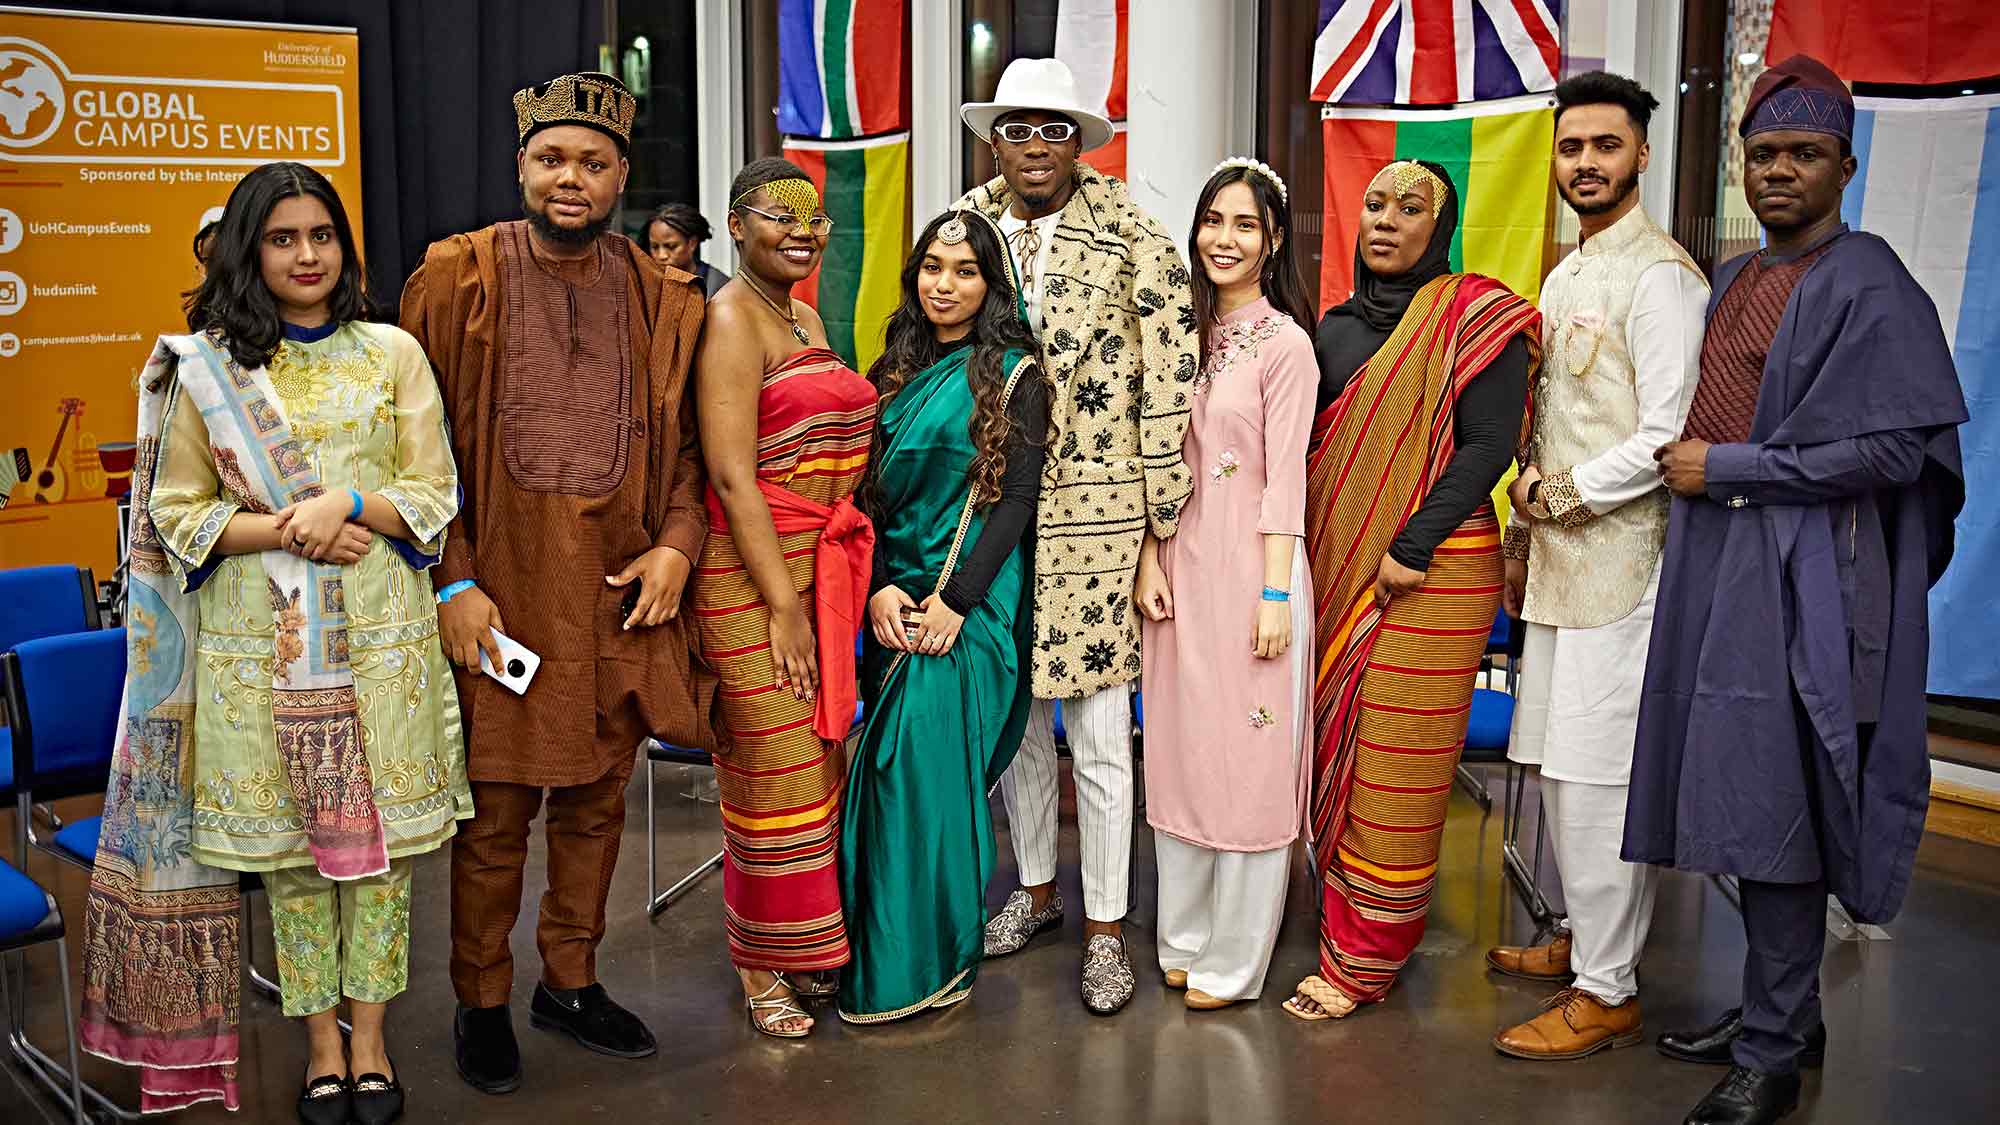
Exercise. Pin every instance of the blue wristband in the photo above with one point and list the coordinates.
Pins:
(1273, 594)
(356, 513)
(455, 589)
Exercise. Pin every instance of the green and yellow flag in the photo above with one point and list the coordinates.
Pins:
(1498, 154)
(865, 186)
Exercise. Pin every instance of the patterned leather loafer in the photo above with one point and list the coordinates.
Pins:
(1107, 975)
(1018, 921)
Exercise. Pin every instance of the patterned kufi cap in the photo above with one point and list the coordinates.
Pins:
(592, 98)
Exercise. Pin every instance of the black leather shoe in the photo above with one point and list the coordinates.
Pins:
(1711, 1044)
(326, 1100)
(378, 1098)
(589, 1016)
(488, 1057)
(1747, 1097)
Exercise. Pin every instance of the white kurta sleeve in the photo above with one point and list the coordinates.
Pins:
(1663, 330)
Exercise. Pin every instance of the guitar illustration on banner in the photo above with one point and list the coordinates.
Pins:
(52, 483)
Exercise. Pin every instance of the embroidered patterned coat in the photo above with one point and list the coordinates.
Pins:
(1119, 346)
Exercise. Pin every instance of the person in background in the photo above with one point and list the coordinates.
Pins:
(564, 360)
(786, 427)
(204, 240)
(673, 238)
(1781, 732)
(296, 485)
(1424, 377)
(1228, 604)
(956, 473)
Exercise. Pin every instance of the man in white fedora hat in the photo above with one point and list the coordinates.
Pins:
(1108, 295)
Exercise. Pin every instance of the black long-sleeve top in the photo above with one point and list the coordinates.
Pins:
(1486, 426)
(1011, 518)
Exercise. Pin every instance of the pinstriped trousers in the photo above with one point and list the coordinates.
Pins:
(1099, 726)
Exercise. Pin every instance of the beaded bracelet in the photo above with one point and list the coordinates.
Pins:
(1273, 594)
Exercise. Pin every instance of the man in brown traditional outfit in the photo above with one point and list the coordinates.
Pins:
(562, 353)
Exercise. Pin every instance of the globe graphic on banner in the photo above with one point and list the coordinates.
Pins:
(31, 98)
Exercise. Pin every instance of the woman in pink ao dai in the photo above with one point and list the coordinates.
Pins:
(1228, 605)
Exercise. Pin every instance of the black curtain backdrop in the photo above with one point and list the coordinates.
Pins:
(437, 120)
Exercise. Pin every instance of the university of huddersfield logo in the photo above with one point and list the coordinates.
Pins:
(31, 93)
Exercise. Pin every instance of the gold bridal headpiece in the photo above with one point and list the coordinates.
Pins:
(1262, 169)
(953, 231)
(1405, 175)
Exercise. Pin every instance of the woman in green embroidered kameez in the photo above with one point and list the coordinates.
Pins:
(954, 483)
(327, 750)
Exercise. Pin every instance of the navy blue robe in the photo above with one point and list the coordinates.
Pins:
(1782, 727)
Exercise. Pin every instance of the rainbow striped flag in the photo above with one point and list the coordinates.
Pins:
(841, 68)
(865, 185)
(1498, 153)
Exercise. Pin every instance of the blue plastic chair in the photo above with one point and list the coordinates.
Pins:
(63, 695)
(30, 917)
(40, 601)
(44, 601)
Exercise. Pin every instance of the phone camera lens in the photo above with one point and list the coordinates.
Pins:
(515, 668)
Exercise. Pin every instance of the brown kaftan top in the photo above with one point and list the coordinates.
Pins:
(565, 386)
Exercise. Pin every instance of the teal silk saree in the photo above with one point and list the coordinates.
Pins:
(916, 842)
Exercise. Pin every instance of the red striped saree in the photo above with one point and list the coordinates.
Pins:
(1392, 688)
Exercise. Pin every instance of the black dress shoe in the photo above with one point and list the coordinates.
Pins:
(1747, 1097)
(1712, 1044)
(589, 1016)
(326, 1100)
(378, 1098)
(488, 1057)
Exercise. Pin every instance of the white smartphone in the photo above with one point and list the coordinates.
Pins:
(519, 664)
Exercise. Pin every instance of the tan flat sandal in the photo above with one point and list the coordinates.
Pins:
(1334, 1004)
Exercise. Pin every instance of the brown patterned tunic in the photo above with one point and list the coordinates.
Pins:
(1733, 351)
(564, 383)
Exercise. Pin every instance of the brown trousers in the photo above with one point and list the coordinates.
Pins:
(488, 857)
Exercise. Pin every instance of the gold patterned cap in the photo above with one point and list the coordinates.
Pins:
(592, 98)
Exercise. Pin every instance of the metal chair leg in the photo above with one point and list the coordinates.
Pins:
(652, 841)
(666, 897)
(1474, 787)
(69, 1030)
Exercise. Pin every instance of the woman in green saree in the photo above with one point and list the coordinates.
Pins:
(952, 491)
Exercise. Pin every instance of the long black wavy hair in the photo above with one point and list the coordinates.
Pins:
(912, 345)
(1279, 271)
(232, 302)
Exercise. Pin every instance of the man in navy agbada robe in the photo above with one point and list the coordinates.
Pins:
(1781, 731)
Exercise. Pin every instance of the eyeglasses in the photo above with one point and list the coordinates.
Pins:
(788, 223)
(1018, 132)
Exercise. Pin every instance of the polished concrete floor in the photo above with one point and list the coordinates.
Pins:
(1912, 1020)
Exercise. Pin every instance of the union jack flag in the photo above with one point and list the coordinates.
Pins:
(1435, 52)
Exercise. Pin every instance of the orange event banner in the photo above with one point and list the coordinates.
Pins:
(119, 137)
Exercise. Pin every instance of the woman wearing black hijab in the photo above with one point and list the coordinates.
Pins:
(1424, 377)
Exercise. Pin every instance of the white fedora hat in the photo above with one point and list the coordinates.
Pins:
(1044, 84)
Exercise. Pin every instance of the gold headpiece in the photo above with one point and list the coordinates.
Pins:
(592, 98)
(1405, 175)
(953, 231)
(799, 195)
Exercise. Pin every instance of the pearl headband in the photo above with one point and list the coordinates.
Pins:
(1262, 169)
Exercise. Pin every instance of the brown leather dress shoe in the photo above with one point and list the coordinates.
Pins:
(1575, 1024)
(1533, 962)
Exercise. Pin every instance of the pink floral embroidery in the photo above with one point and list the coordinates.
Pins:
(1233, 343)
(1225, 466)
(1260, 718)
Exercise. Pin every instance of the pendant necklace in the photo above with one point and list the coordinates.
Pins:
(791, 317)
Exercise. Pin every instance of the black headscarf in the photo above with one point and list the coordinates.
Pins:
(1352, 331)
